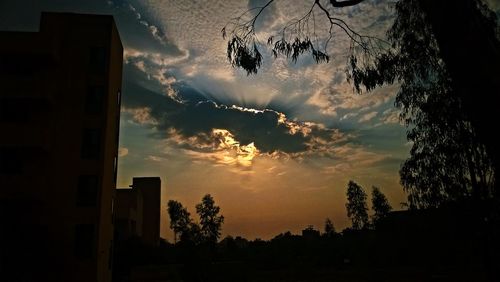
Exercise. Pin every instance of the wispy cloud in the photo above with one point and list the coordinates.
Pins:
(390, 116)
(122, 151)
(141, 115)
(154, 158)
(369, 116)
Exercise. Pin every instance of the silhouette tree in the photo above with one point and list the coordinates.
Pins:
(329, 228)
(447, 161)
(455, 153)
(210, 220)
(180, 221)
(468, 41)
(380, 205)
(192, 234)
(356, 207)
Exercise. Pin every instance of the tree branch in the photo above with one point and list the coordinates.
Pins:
(347, 3)
(296, 37)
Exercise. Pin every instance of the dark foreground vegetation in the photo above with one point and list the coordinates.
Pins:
(456, 242)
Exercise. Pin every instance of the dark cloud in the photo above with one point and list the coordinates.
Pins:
(197, 117)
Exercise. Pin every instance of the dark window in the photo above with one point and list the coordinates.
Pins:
(91, 143)
(86, 193)
(97, 60)
(84, 241)
(11, 161)
(94, 101)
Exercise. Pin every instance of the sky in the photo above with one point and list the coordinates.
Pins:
(275, 149)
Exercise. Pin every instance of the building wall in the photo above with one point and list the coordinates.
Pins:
(68, 186)
(126, 213)
(150, 188)
(141, 205)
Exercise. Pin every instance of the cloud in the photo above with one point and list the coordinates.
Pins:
(141, 31)
(153, 30)
(367, 117)
(267, 16)
(226, 150)
(224, 134)
(184, 96)
(154, 158)
(122, 152)
(141, 115)
(303, 90)
(390, 116)
(349, 157)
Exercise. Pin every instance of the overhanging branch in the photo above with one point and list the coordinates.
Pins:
(341, 4)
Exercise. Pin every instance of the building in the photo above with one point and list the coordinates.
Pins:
(137, 210)
(310, 233)
(59, 118)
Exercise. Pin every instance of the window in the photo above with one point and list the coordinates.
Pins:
(91, 143)
(84, 241)
(94, 101)
(86, 192)
(97, 60)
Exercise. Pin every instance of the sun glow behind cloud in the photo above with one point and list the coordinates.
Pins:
(232, 152)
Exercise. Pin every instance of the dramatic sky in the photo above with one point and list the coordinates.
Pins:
(276, 149)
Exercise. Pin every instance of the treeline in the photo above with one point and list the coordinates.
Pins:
(457, 242)
(208, 230)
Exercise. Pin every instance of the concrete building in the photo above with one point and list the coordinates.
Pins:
(137, 210)
(59, 118)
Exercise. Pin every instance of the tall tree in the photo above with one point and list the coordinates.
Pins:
(448, 161)
(446, 100)
(468, 40)
(193, 234)
(210, 220)
(329, 228)
(357, 209)
(380, 205)
(180, 221)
